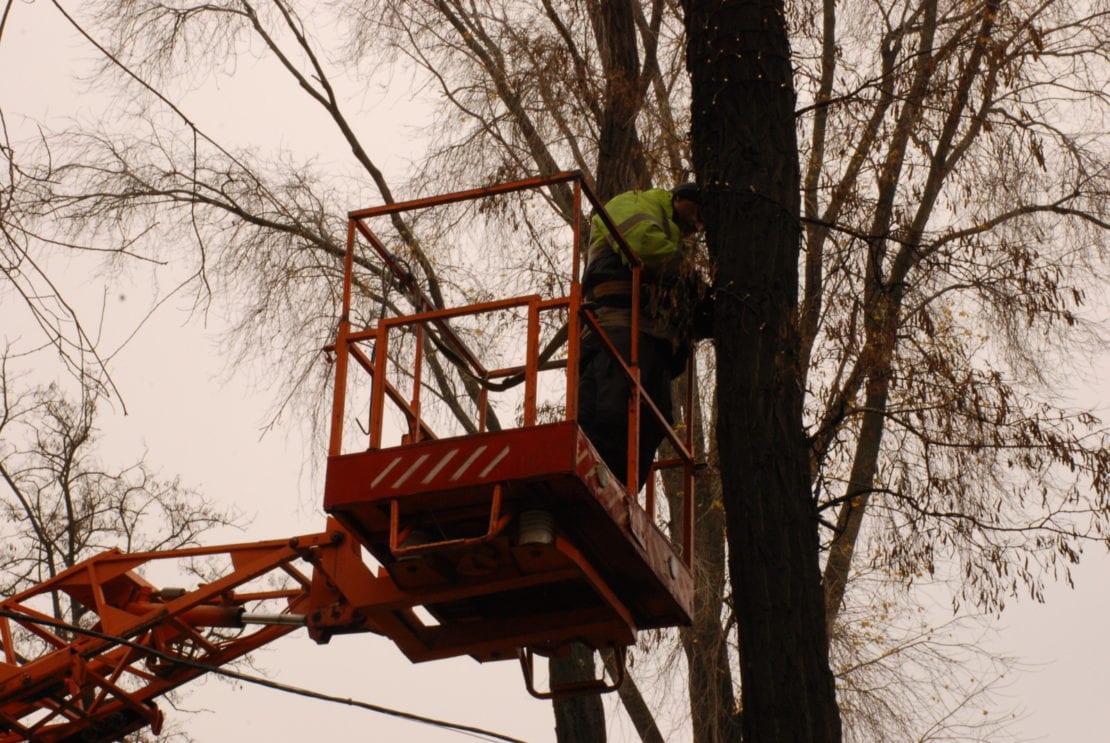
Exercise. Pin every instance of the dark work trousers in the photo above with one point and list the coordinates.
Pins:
(603, 396)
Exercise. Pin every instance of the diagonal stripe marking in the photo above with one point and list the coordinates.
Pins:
(419, 461)
(491, 465)
(469, 461)
(384, 472)
(442, 463)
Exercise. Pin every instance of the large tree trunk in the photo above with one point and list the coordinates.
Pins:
(578, 719)
(746, 157)
(620, 155)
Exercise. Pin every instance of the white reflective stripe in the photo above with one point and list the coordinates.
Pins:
(493, 464)
(442, 463)
(582, 452)
(383, 473)
(628, 224)
(469, 461)
(635, 219)
(409, 471)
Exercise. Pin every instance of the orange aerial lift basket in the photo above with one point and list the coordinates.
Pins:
(496, 529)
(511, 540)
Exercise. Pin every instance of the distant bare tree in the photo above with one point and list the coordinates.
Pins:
(957, 204)
(61, 503)
(904, 674)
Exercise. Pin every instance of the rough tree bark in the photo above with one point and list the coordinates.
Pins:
(746, 157)
(620, 163)
(577, 719)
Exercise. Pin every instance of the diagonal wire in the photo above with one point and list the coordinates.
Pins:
(475, 732)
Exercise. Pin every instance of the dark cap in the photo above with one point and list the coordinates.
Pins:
(688, 190)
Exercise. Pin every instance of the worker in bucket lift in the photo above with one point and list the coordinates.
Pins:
(675, 310)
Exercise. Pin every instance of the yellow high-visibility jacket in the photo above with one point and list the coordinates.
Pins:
(672, 295)
(646, 220)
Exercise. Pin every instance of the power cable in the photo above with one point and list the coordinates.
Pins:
(475, 732)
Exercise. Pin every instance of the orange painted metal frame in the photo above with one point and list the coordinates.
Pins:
(572, 302)
(366, 489)
(97, 689)
(148, 641)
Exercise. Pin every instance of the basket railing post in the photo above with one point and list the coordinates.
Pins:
(531, 362)
(688, 480)
(573, 308)
(377, 384)
(418, 361)
(335, 445)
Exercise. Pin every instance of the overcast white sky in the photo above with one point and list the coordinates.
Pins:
(195, 421)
